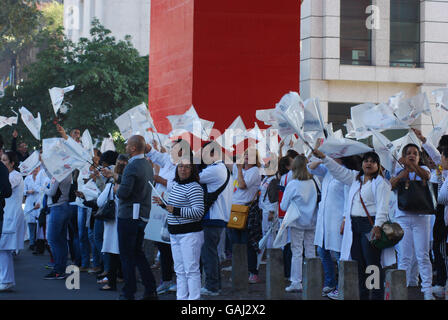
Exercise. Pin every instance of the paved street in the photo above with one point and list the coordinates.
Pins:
(30, 270)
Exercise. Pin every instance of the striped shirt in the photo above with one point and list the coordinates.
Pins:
(188, 202)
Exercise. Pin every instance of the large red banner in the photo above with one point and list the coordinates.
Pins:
(227, 58)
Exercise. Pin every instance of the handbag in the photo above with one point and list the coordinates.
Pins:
(391, 232)
(107, 211)
(416, 196)
(238, 215)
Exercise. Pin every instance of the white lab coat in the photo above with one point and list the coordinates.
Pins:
(13, 232)
(382, 192)
(331, 210)
(31, 199)
(304, 194)
(110, 235)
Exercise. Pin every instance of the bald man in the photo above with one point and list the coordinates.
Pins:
(134, 193)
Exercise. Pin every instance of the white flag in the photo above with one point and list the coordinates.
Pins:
(438, 131)
(86, 140)
(351, 133)
(312, 116)
(385, 150)
(30, 163)
(441, 96)
(107, 144)
(394, 101)
(291, 113)
(369, 116)
(190, 122)
(410, 109)
(58, 160)
(33, 124)
(136, 120)
(57, 96)
(268, 116)
(5, 121)
(338, 148)
(90, 190)
(255, 133)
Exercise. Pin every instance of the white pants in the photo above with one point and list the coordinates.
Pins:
(416, 241)
(186, 249)
(300, 238)
(6, 267)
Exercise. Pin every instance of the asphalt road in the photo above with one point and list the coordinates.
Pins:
(30, 285)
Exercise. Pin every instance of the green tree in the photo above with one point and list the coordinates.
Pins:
(109, 77)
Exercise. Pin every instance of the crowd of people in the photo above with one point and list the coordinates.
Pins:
(340, 204)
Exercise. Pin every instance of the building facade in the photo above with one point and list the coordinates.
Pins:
(122, 17)
(357, 51)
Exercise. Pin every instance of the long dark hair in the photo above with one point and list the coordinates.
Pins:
(374, 156)
(12, 157)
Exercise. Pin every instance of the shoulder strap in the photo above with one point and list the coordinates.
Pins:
(364, 205)
(221, 189)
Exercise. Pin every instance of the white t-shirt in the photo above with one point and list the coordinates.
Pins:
(369, 201)
(252, 178)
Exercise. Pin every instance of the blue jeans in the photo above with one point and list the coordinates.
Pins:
(83, 237)
(57, 235)
(32, 231)
(241, 236)
(130, 242)
(210, 258)
(365, 254)
(328, 257)
(73, 241)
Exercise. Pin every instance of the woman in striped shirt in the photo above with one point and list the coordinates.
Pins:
(185, 211)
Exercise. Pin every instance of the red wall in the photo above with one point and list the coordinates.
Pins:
(227, 58)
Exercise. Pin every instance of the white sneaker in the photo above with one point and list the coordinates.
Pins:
(294, 287)
(164, 287)
(173, 288)
(227, 269)
(327, 290)
(429, 296)
(6, 287)
(334, 295)
(438, 291)
(206, 292)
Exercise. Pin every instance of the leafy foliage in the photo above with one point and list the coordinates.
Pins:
(109, 77)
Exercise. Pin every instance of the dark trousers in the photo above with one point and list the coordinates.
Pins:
(366, 255)
(114, 269)
(241, 236)
(287, 257)
(439, 247)
(130, 240)
(210, 257)
(166, 261)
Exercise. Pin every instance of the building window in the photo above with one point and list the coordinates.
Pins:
(405, 33)
(356, 39)
(338, 113)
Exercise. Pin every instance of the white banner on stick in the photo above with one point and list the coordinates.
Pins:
(31, 163)
(57, 96)
(33, 124)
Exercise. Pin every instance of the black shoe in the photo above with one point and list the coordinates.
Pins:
(32, 247)
(55, 276)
